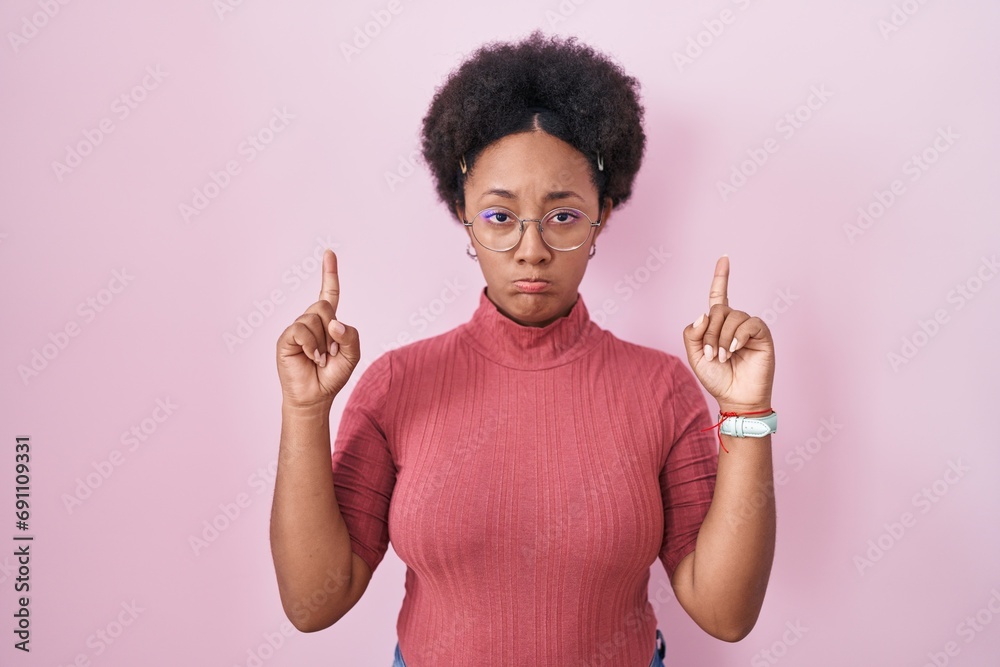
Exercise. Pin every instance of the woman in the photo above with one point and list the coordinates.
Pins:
(528, 465)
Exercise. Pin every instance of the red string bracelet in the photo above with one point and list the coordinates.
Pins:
(726, 415)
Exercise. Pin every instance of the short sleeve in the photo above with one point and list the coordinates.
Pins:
(687, 479)
(364, 473)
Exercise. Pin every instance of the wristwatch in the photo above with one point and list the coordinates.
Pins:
(750, 427)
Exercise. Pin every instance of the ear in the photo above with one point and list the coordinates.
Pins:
(605, 214)
(459, 213)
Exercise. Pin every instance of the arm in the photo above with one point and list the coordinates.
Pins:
(319, 577)
(721, 584)
(310, 542)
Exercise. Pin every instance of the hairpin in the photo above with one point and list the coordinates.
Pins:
(600, 162)
(461, 163)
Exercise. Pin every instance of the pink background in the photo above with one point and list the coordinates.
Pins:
(837, 304)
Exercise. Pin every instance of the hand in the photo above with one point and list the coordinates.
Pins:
(315, 361)
(740, 380)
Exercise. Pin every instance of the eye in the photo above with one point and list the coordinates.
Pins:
(564, 216)
(496, 216)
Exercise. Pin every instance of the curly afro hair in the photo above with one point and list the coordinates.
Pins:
(564, 88)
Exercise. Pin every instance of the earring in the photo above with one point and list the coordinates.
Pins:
(468, 251)
(593, 251)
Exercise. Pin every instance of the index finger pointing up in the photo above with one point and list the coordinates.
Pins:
(330, 291)
(720, 283)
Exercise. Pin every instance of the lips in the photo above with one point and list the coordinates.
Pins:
(531, 285)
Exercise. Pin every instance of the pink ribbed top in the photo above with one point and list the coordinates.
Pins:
(528, 477)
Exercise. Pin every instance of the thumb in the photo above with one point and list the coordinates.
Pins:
(346, 341)
(694, 335)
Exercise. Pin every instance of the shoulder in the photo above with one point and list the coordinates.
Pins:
(401, 365)
(422, 349)
(649, 359)
(669, 375)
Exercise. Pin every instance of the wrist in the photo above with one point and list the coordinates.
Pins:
(306, 410)
(758, 408)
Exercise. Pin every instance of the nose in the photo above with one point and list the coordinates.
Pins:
(532, 248)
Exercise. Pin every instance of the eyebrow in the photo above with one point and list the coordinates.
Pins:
(551, 196)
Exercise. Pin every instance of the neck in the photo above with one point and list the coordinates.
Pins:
(523, 323)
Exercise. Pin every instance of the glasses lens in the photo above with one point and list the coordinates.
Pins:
(497, 228)
(565, 228)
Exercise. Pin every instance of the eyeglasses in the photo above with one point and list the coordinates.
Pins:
(499, 229)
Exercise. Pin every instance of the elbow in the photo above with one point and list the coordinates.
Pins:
(737, 628)
(306, 627)
(306, 622)
(734, 634)
(307, 616)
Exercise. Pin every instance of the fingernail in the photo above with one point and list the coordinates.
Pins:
(697, 322)
(323, 362)
(732, 348)
(722, 354)
(708, 352)
(337, 326)
(334, 348)
(316, 355)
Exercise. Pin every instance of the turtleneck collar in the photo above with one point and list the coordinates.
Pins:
(514, 345)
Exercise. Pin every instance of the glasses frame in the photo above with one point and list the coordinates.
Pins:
(521, 221)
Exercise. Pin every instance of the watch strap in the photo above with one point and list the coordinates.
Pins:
(750, 427)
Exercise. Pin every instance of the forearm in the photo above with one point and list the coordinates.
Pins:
(735, 548)
(310, 544)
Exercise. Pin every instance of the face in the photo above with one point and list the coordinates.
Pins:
(531, 173)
